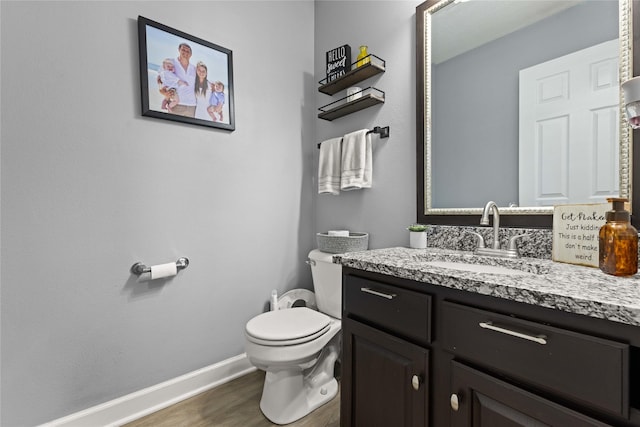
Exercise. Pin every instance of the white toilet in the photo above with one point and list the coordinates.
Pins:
(297, 347)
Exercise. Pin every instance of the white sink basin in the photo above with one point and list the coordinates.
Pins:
(465, 261)
(478, 268)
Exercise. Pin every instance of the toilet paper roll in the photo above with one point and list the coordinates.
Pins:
(353, 93)
(163, 270)
(343, 233)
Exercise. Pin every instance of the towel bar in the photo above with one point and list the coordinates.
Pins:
(382, 131)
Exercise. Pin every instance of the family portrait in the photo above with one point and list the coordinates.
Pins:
(184, 78)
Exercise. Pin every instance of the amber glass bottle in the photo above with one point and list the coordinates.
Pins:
(618, 240)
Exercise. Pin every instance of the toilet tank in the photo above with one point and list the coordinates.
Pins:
(327, 283)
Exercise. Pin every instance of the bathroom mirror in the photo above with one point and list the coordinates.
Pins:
(480, 64)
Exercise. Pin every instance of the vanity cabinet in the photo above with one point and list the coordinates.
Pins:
(418, 354)
(547, 358)
(385, 371)
(480, 400)
(387, 379)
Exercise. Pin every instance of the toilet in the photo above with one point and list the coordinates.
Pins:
(298, 346)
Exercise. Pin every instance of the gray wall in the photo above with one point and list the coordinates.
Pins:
(479, 134)
(388, 29)
(89, 187)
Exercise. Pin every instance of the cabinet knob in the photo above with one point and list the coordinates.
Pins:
(455, 404)
(415, 382)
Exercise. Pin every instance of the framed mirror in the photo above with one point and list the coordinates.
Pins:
(506, 109)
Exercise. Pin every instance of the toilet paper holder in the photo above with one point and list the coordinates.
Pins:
(139, 268)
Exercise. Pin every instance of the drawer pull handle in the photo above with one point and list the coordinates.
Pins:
(377, 293)
(455, 404)
(415, 382)
(540, 339)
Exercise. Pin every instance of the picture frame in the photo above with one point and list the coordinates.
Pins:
(184, 78)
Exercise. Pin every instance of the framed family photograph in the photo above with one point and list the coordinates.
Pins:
(184, 78)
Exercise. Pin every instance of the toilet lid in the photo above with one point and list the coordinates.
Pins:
(290, 326)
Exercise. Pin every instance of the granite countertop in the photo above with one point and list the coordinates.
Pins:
(567, 287)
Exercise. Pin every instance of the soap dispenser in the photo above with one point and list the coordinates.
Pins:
(618, 242)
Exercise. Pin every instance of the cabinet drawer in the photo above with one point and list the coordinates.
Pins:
(592, 371)
(402, 312)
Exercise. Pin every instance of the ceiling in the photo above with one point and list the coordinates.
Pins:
(464, 25)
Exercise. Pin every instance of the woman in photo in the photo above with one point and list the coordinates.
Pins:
(202, 89)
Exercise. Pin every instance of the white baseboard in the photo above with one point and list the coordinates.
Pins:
(151, 399)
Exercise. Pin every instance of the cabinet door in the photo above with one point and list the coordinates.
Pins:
(480, 400)
(384, 379)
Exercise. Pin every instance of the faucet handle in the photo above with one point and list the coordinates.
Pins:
(512, 241)
(479, 238)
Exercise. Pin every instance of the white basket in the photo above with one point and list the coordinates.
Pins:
(341, 244)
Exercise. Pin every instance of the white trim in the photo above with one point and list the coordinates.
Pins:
(151, 399)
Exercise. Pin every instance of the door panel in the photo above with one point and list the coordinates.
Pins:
(485, 401)
(569, 128)
(381, 369)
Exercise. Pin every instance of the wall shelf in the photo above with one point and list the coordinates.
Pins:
(368, 98)
(374, 66)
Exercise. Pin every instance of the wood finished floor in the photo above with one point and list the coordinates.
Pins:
(234, 404)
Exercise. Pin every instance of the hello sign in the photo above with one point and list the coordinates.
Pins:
(338, 62)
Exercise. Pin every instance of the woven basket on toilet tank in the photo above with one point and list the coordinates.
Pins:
(340, 244)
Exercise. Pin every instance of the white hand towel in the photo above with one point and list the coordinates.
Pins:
(357, 161)
(329, 166)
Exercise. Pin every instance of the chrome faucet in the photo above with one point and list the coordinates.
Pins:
(496, 221)
(511, 251)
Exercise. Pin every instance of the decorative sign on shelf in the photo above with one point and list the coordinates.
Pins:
(575, 233)
(338, 62)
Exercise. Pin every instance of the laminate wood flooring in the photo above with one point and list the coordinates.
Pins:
(234, 404)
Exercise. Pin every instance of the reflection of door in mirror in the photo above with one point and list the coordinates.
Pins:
(475, 101)
(569, 126)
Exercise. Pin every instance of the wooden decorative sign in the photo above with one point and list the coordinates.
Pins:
(338, 62)
(575, 233)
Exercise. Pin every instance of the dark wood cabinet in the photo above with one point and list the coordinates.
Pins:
(480, 400)
(479, 360)
(387, 379)
(545, 357)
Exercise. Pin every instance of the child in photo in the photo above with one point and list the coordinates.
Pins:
(169, 82)
(216, 101)
(171, 99)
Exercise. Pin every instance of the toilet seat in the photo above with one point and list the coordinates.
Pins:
(287, 327)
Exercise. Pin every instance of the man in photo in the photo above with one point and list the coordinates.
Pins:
(185, 71)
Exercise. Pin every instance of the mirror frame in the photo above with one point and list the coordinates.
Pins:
(530, 217)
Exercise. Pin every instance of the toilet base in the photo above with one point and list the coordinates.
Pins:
(290, 394)
(285, 397)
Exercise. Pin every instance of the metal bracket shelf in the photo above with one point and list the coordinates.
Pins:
(369, 97)
(374, 66)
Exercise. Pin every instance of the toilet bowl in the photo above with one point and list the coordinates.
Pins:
(298, 347)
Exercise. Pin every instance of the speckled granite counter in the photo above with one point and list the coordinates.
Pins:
(571, 288)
